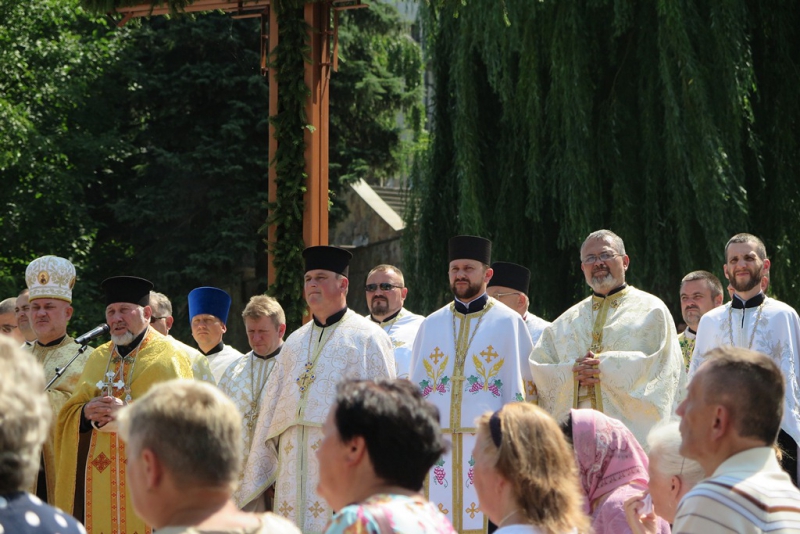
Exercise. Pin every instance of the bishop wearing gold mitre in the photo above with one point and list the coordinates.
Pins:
(50, 282)
(615, 351)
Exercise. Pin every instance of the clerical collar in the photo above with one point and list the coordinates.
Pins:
(473, 306)
(124, 350)
(612, 292)
(270, 355)
(738, 304)
(332, 320)
(215, 349)
(690, 334)
(52, 343)
(392, 316)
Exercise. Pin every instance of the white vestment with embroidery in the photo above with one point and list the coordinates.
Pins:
(642, 377)
(402, 330)
(777, 335)
(491, 343)
(289, 428)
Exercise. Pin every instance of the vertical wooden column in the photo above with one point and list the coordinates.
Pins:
(317, 76)
(272, 190)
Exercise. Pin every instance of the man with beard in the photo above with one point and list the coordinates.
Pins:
(8, 321)
(50, 281)
(466, 360)
(700, 293)
(22, 309)
(752, 320)
(386, 294)
(616, 351)
(92, 462)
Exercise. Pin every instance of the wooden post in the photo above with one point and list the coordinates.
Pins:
(317, 78)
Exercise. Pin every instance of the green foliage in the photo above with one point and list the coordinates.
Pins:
(379, 77)
(672, 123)
(53, 58)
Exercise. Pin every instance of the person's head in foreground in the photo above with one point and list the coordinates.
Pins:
(524, 471)
(380, 439)
(671, 476)
(25, 417)
(183, 459)
(734, 403)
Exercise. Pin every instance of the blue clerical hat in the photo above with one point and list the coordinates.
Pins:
(209, 301)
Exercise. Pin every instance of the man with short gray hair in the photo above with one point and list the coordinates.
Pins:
(22, 309)
(8, 320)
(616, 351)
(700, 293)
(182, 482)
(729, 424)
(91, 458)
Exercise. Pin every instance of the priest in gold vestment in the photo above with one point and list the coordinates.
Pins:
(616, 351)
(336, 344)
(91, 456)
(50, 281)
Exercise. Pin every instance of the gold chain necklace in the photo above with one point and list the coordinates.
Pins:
(252, 414)
(307, 378)
(755, 324)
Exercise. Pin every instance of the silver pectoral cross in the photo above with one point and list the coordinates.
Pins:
(108, 384)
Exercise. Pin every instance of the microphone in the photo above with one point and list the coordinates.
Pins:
(93, 333)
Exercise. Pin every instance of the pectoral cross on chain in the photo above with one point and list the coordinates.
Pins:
(252, 416)
(108, 384)
(305, 380)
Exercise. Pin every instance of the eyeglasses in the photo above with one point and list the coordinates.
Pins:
(385, 286)
(605, 256)
(153, 318)
(7, 328)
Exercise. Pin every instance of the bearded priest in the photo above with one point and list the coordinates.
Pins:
(752, 320)
(92, 461)
(616, 351)
(466, 361)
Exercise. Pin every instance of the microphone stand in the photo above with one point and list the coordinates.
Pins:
(60, 370)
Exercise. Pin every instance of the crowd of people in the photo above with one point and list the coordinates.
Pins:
(480, 417)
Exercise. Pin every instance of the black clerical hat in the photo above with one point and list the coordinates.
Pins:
(327, 258)
(470, 247)
(127, 289)
(510, 275)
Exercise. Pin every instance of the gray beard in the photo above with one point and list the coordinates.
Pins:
(605, 284)
(123, 340)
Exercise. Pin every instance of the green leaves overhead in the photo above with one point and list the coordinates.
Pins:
(670, 123)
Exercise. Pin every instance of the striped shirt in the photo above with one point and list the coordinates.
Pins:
(748, 493)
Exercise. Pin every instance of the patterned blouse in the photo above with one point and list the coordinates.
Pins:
(390, 514)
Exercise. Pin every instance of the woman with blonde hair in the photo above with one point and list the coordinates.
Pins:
(524, 473)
